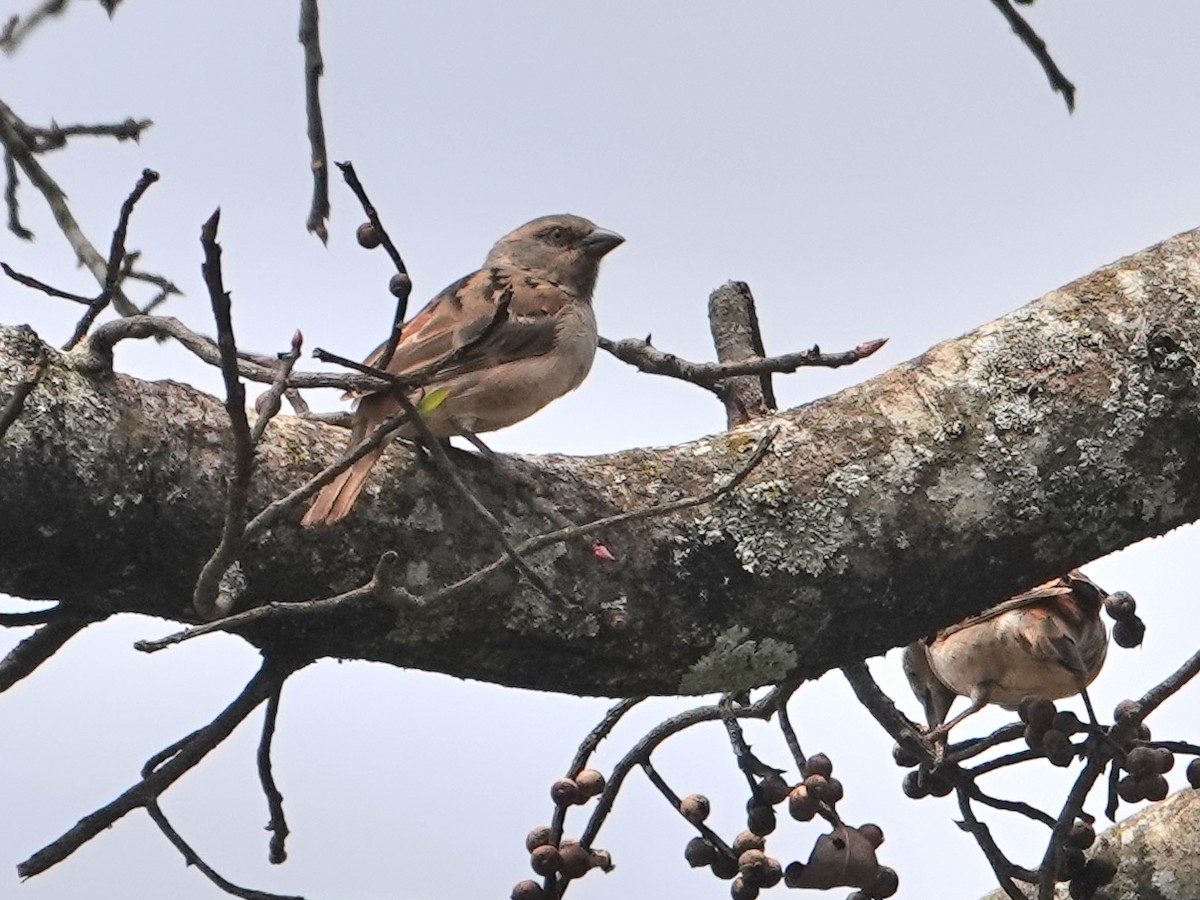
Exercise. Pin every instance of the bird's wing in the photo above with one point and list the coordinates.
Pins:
(1055, 588)
(492, 316)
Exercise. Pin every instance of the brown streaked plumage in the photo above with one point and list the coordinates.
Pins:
(496, 369)
(1047, 642)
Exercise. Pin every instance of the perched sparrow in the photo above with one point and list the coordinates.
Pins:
(502, 342)
(1047, 642)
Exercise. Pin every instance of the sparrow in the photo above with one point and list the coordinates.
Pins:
(498, 344)
(1047, 642)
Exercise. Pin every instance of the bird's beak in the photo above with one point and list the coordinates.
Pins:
(600, 242)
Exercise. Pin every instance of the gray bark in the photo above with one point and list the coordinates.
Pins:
(1058, 433)
(1157, 853)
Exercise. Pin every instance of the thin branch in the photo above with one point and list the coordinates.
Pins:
(372, 589)
(968, 749)
(1023, 809)
(1031, 39)
(56, 136)
(17, 28)
(647, 358)
(665, 789)
(10, 199)
(880, 705)
(33, 617)
(277, 824)
(402, 286)
(15, 403)
(116, 256)
(269, 404)
(1002, 868)
(789, 735)
(150, 787)
(85, 252)
(24, 659)
(30, 282)
(192, 858)
(206, 595)
(314, 68)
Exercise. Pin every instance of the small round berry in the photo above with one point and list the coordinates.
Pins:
(834, 792)
(1193, 773)
(939, 785)
(590, 782)
(903, 758)
(801, 805)
(528, 890)
(742, 889)
(914, 785)
(545, 860)
(747, 840)
(1082, 834)
(751, 864)
(1165, 760)
(575, 860)
(885, 884)
(1129, 633)
(695, 808)
(761, 820)
(818, 786)
(1033, 737)
(1120, 605)
(1071, 862)
(565, 792)
(773, 789)
(772, 873)
(700, 852)
(1129, 789)
(818, 764)
(873, 833)
(368, 236)
(1141, 761)
(1066, 722)
(1126, 709)
(1155, 787)
(537, 837)
(1099, 870)
(1143, 732)
(400, 285)
(1037, 711)
(724, 867)
(1057, 747)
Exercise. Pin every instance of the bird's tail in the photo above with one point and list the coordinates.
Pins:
(336, 498)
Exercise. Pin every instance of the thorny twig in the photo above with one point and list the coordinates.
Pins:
(1031, 39)
(314, 68)
(18, 27)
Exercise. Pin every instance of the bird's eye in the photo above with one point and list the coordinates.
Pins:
(556, 234)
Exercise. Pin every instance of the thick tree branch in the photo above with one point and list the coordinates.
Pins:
(1040, 441)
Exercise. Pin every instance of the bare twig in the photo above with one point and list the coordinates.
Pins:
(56, 136)
(314, 68)
(878, 704)
(10, 199)
(150, 787)
(402, 286)
(277, 824)
(205, 597)
(192, 858)
(665, 789)
(86, 253)
(17, 28)
(116, 256)
(1023, 809)
(23, 659)
(1031, 39)
(30, 282)
(22, 389)
(647, 358)
(1002, 868)
(789, 734)
(268, 404)
(32, 617)
(373, 589)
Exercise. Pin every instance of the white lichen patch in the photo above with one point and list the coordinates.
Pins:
(735, 662)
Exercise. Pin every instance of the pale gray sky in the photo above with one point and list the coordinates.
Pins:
(897, 170)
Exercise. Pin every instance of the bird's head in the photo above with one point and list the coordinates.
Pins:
(565, 249)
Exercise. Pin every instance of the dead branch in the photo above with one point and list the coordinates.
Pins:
(1031, 39)
(314, 68)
